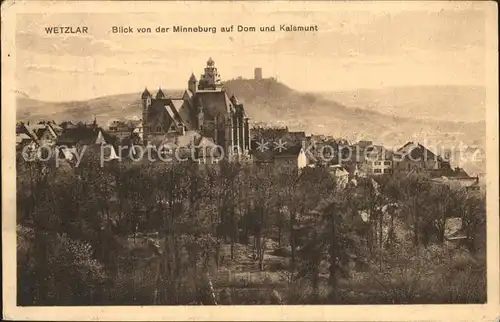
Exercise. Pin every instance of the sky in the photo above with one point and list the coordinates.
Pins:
(354, 47)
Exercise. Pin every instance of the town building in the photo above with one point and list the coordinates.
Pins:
(280, 147)
(380, 166)
(204, 107)
(379, 161)
(73, 139)
(125, 129)
(416, 158)
(459, 179)
(42, 133)
(370, 158)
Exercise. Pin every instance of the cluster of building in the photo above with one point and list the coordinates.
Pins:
(209, 119)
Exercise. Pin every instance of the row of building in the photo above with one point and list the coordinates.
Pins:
(206, 117)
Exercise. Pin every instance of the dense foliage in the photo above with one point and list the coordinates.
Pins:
(154, 233)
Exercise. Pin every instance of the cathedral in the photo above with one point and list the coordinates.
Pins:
(204, 110)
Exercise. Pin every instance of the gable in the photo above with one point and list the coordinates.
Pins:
(214, 103)
(416, 152)
(100, 138)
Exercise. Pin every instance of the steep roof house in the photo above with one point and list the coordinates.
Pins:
(279, 147)
(417, 158)
(459, 179)
(25, 136)
(72, 139)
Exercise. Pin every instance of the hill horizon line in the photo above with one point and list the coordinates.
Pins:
(24, 95)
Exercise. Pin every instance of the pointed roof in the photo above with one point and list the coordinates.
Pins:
(417, 151)
(160, 94)
(210, 62)
(234, 100)
(192, 78)
(145, 94)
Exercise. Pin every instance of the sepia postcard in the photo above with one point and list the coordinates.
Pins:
(234, 160)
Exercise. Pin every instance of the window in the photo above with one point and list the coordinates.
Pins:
(387, 171)
(172, 128)
(378, 163)
(387, 162)
(377, 170)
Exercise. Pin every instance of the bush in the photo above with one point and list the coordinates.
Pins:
(65, 270)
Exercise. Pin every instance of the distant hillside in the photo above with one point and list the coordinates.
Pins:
(276, 104)
(458, 103)
(268, 100)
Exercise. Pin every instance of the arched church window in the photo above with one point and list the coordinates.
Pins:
(172, 128)
(159, 128)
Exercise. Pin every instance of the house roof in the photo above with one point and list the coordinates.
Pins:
(189, 139)
(337, 170)
(177, 103)
(460, 172)
(214, 102)
(174, 114)
(207, 143)
(28, 129)
(417, 151)
(187, 94)
(83, 135)
(363, 143)
(350, 167)
(297, 137)
(40, 131)
(20, 137)
(288, 152)
(160, 94)
(456, 182)
(269, 133)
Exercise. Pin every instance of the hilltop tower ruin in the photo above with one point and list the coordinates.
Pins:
(257, 73)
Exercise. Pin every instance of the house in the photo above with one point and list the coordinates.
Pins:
(279, 147)
(25, 136)
(293, 157)
(459, 179)
(380, 163)
(371, 159)
(45, 132)
(40, 134)
(125, 129)
(417, 158)
(27, 143)
(73, 139)
(340, 175)
(327, 150)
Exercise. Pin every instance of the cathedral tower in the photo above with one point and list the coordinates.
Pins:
(210, 79)
(192, 84)
(146, 103)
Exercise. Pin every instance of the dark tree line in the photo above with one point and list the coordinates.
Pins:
(80, 229)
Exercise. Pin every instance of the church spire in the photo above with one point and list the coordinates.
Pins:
(210, 62)
(160, 94)
(210, 80)
(192, 83)
(145, 94)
